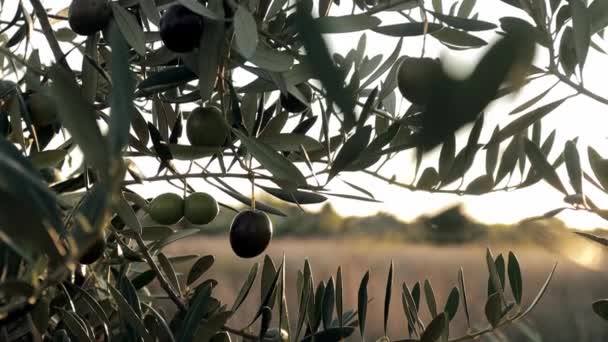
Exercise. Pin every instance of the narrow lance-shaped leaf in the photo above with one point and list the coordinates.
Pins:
(129, 315)
(169, 271)
(515, 279)
(463, 23)
(451, 305)
(362, 304)
(598, 11)
(212, 42)
(78, 117)
(457, 38)
(387, 297)
(202, 265)
(573, 166)
(269, 295)
(430, 298)
(339, 306)
(132, 32)
(542, 166)
(388, 63)
(493, 309)
(526, 120)
(346, 23)
(246, 31)
(195, 313)
(446, 156)
(275, 163)
(410, 309)
(494, 276)
(268, 273)
(407, 29)
(317, 310)
(305, 297)
(328, 303)
(463, 290)
(581, 24)
(351, 149)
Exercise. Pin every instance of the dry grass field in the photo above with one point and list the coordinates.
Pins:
(564, 314)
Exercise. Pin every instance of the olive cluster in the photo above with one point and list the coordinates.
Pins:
(250, 230)
(197, 208)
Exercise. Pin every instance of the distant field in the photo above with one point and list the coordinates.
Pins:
(564, 314)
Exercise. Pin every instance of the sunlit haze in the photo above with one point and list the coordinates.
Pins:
(578, 117)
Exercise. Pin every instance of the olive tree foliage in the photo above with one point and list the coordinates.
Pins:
(126, 103)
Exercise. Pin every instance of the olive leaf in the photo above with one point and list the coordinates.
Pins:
(272, 161)
(132, 32)
(246, 31)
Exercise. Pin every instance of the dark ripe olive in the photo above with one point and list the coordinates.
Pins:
(292, 104)
(250, 233)
(94, 252)
(415, 78)
(181, 29)
(89, 16)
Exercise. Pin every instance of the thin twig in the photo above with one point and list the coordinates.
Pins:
(441, 191)
(48, 33)
(196, 175)
(578, 87)
(159, 274)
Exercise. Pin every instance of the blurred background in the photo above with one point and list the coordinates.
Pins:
(431, 247)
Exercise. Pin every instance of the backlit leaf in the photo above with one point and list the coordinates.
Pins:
(573, 166)
(346, 23)
(542, 166)
(246, 31)
(131, 31)
(272, 161)
(515, 279)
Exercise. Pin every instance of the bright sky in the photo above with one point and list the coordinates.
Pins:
(580, 116)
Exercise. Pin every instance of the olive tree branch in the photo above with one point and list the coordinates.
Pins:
(440, 191)
(164, 283)
(195, 175)
(49, 34)
(578, 87)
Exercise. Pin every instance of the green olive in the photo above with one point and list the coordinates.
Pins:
(167, 208)
(200, 208)
(206, 127)
(42, 108)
